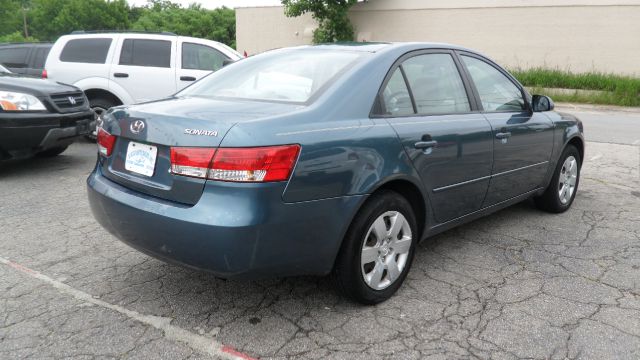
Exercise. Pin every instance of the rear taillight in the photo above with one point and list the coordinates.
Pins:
(105, 142)
(258, 164)
(191, 161)
(44, 74)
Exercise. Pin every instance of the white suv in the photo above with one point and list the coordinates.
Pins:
(127, 68)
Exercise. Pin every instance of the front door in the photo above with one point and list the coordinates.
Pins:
(196, 62)
(523, 139)
(425, 100)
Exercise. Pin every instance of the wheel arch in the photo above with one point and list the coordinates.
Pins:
(579, 144)
(413, 194)
(102, 94)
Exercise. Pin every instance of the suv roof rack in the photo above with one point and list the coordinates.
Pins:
(80, 32)
(27, 43)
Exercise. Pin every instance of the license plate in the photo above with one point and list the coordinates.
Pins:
(141, 158)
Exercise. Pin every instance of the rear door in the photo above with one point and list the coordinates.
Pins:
(428, 103)
(196, 61)
(145, 66)
(523, 139)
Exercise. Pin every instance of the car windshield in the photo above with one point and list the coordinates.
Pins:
(285, 76)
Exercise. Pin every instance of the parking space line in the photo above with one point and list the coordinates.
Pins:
(194, 341)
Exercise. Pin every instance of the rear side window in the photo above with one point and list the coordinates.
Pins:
(496, 91)
(92, 51)
(436, 84)
(201, 57)
(395, 97)
(15, 57)
(141, 52)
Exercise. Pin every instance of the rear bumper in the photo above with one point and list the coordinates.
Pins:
(26, 134)
(242, 231)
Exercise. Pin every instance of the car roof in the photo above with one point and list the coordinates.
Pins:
(376, 47)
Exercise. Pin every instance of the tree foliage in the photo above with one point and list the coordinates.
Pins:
(48, 19)
(331, 15)
(218, 24)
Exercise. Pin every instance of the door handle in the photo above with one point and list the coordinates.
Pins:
(121, 75)
(503, 135)
(425, 144)
(187, 78)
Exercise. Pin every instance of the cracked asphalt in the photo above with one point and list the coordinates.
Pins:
(517, 284)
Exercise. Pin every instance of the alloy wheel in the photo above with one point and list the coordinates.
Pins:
(567, 179)
(385, 250)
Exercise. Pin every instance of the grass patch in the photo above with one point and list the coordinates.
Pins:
(610, 89)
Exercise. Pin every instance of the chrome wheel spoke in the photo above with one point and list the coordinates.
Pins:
(393, 271)
(369, 255)
(397, 223)
(380, 229)
(375, 277)
(401, 246)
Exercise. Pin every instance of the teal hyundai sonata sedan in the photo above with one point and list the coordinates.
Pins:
(330, 159)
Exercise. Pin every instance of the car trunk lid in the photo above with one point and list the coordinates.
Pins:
(151, 129)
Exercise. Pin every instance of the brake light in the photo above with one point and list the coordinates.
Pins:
(257, 164)
(105, 142)
(191, 161)
(44, 74)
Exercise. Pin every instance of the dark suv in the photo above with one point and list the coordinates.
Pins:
(39, 116)
(25, 58)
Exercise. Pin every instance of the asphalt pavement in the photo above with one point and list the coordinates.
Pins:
(517, 284)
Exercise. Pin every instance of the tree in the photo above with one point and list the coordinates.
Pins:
(52, 18)
(331, 15)
(10, 17)
(218, 24)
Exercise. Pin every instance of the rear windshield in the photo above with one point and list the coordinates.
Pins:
(283, 76)
(91, 50)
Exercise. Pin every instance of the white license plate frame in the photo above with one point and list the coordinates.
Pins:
(141, 158)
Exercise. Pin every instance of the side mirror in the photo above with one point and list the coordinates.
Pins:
(226, 62)
(542, 103)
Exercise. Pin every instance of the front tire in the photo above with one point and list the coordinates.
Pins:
(562, 190)
(99, 107)
(378, 249)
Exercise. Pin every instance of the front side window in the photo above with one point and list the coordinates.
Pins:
(496, 91)
(92, 51)
(142, 52)
(284, 76)
(436, 84)
(201, 57)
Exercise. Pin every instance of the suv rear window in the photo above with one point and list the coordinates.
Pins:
(14, 56)
(140, 52)
(93, 51)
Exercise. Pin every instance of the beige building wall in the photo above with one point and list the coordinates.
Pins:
(578, 35)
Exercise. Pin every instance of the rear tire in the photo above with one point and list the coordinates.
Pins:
(371, 268)
(99, 106)
(52, 152)
(562, 190)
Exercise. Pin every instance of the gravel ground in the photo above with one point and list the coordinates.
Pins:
(517, 284)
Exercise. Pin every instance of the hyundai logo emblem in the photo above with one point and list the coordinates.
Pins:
(72, 100)
(137, 126)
